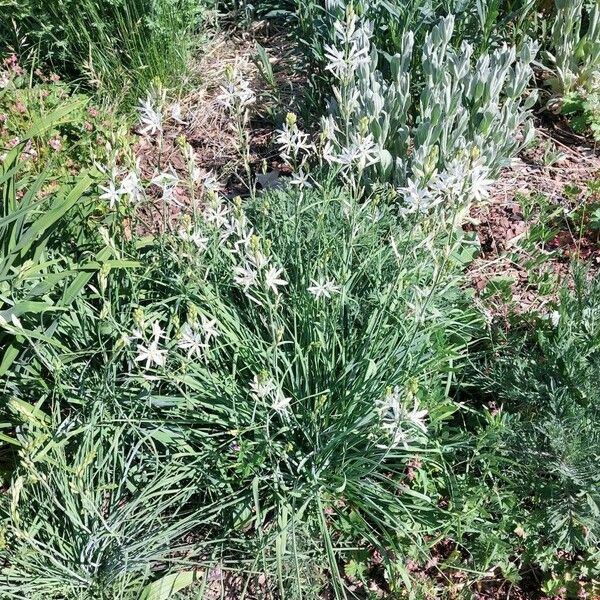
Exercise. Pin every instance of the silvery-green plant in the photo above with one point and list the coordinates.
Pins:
(465, 110)
(575, 52)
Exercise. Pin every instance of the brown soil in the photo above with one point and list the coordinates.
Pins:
(208, 128)
(502, 227)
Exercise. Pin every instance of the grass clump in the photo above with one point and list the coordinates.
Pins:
(295, 376)
(117, 48)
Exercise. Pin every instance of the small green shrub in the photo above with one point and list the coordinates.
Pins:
(462, 112)
(542, 378)
(574, 49)
(65, 131)
(48, 215)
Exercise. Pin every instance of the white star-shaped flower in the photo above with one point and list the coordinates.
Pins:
(245, 277)
(111, 194)
(151, 354)
(323, 288)
(191, 341)
(273, 279)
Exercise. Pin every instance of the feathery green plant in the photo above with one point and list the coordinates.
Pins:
(542, 378)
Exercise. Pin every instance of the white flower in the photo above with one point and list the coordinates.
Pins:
(176, 113)
(416, 417)
(195, 237)
(165, 178)
(245, 277)
(345, 30)
(111, 194)
(157, 330)
(362, 152)
(554, 318)
(343, 63)
(151, 354)
(191, 341)
(130, 185)
(236, 94)
(480, 183)
(394, 414)
(217, 215)
(337, 60)
(457, 170)
(281, 402)
(209, 327)
(242, 244)
(323, 288)
(195, 173)
(328, 152)
(366, 152)
(272, 279)
(451, 181)
(211, 183)
(301, 179)
(416, 198)
(292, 141)
(229, 229)
(167, 181)
(151, 118)
(258, 259)
(261, 386)
(136, 334)
(347, 155)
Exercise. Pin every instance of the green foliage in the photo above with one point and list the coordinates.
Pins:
(575, 43)
(542, 378)
(268, 386)
(91, 507)
(456, 111)
(582, 109)
(117, 47)
(285, 415)
(47, 215)
(74, 133)
(483, 24)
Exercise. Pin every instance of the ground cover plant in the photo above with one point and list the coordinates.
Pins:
(298, 370)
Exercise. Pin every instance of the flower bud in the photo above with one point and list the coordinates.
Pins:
(291, 119)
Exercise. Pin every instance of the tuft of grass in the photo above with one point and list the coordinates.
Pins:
(289, 489)
(117, 48)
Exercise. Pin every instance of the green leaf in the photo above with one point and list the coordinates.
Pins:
(168, 586)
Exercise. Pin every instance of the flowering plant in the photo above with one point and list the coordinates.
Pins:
(306, 332)
(471, 114)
